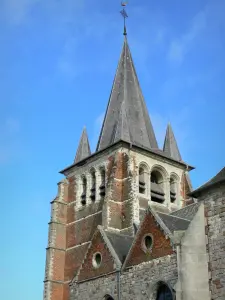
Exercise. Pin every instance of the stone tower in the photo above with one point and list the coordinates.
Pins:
(115, 185)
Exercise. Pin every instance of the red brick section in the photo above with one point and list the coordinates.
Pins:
(76, 234)
(68, 267)
(74, 258)
(57, 291)
(57, 246)
(120, 186)
(161, 245)
(88, 271)
(58, 266)
(185, 189)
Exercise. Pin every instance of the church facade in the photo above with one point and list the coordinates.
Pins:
(126, 223)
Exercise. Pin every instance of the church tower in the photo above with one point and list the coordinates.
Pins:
(113, 186)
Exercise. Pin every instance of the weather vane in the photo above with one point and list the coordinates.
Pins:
(124, 14)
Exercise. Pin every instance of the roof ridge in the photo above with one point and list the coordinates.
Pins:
(116, 233)
(110, 246)
(184, 207)
(174, 216)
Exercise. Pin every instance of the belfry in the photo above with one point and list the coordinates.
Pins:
(125, 223)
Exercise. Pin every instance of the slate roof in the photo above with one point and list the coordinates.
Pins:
(219, 178)
(126, 115)
(121, 244)
(83, 150)
(170, 144)
(174, 223)
(188, 212)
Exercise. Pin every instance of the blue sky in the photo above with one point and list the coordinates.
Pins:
(57, 63)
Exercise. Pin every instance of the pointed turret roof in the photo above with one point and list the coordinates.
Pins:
(170, 145)
(83, 150)
(126, 116)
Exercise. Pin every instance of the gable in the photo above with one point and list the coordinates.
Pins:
(160, 244)
(107, 265)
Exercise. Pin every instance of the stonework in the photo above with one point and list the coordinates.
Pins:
(139, 282)
(214, 201)
(125, 222)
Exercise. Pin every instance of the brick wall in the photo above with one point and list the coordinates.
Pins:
(161, 246)
(120, 210)
(55, 257)
(107, 265)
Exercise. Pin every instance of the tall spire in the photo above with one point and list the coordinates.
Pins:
(83, 150)
(122, 127)
(170, 145)
(126, 90)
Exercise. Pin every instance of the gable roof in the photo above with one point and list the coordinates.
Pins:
(120, 243)
(117, 244)
(188, 212)
(219, 178)
(174, 223)
(126, 115)
(83, 150)
(170, 144)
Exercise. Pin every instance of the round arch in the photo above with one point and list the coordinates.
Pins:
(108, 297)
(161, 290)
(174, 177)
(145, 166)
(161, 170)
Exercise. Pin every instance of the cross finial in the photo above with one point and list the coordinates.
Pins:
(124, 14)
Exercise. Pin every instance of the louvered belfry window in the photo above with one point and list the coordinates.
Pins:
(142, 186)
(93, 186)
(157, 190)
(102, 185)
(84, 193)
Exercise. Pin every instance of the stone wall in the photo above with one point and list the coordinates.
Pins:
(137, 283)
(193, 261)
(214, 200)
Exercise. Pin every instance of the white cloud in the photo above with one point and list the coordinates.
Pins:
(16, 11)
(179, 47)
(207, 23)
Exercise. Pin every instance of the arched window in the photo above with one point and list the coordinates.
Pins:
(173, 190)
(84, 193)
(142, 183)
(108, 297)
(102, 185)
(164, 293)
(93, 186)
(157, 188)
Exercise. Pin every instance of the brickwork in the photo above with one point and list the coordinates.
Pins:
(161, 245)
(73, 224)
(88, 271)
(214, 200)
(74, 258)
(55, 256)
(139, 282)
(120, 206)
